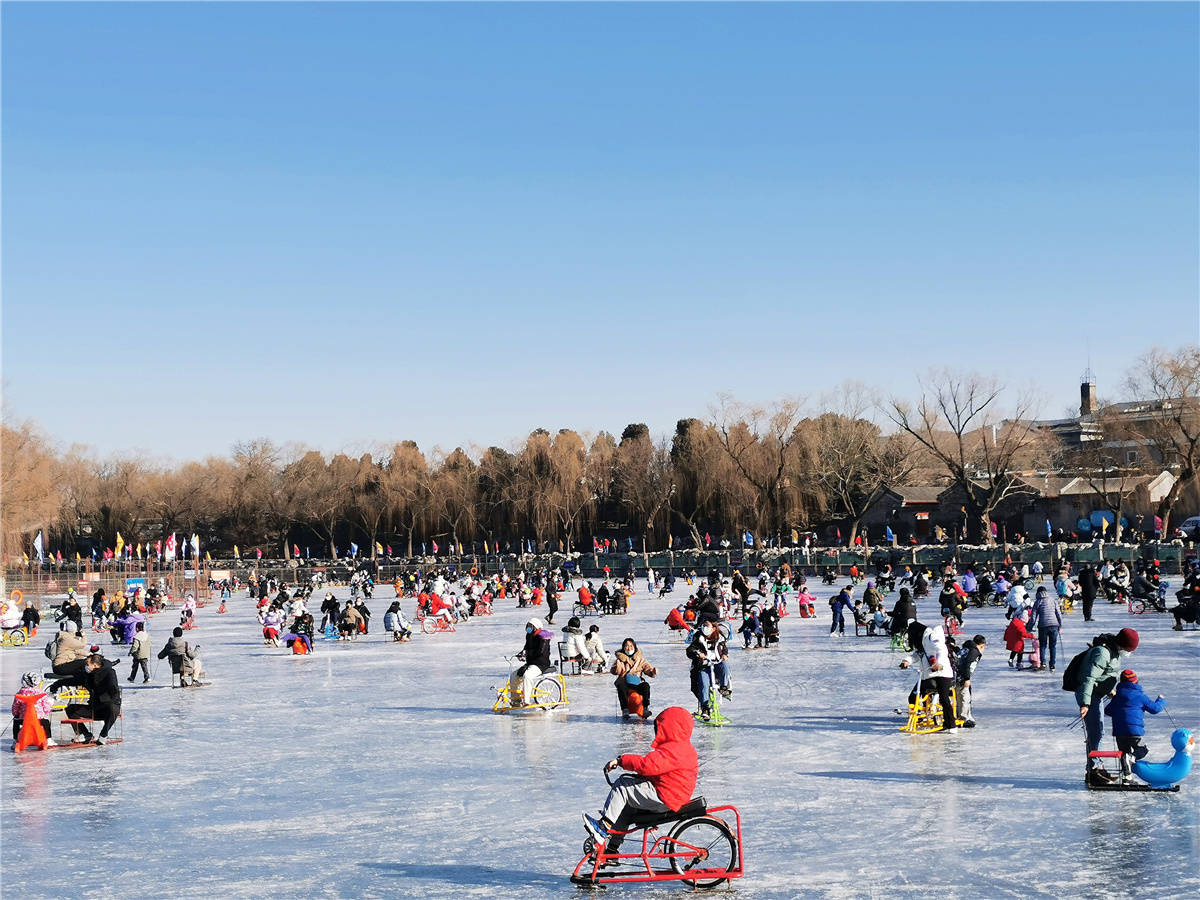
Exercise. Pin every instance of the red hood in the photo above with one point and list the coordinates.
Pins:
(672, 724)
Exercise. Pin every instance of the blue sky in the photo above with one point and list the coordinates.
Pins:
(345, 224)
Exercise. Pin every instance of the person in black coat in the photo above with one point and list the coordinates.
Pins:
(100, 678)
(903, 612)
(1089, 586)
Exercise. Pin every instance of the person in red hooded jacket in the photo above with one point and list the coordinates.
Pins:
(661, 781)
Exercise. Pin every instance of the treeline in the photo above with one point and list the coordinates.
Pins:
(765, 471)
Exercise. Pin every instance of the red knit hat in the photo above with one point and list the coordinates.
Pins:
(1127, 639)
(1129, 675)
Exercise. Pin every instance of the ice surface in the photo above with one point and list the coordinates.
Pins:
(378, 770)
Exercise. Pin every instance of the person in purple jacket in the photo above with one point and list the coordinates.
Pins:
(1047, 618)
(1127, 708)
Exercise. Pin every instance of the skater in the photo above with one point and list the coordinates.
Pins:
(394, 621)
(140, 651)
(1015, 636)
(329, 611)
(931, 656)
(100, 679)
(364, 615)
(769, 618)
(903, 612)
(551, 599)
(597, 655)
(1047, 619)
(174, 651)
(1126, 709)
(968, 660)
(663, 780)
(30, 619)
(70, 650)
(709, 655)
(632, 669)
(751, 629)
(536, 657)
(1089, 587)
(349, 623)
(1096, 675)
(839, 605)
(576, 648)
(44, 705)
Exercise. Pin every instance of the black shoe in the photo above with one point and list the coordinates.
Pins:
(969, 723)
(1099, 775)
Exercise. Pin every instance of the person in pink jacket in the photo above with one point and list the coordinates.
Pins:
(29, 686)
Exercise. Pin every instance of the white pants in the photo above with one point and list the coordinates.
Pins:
(520, 685)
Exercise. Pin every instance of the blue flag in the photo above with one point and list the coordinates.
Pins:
(1049, 532)
(749, 539)
(353, 549)
(888, 534)
(630, 542)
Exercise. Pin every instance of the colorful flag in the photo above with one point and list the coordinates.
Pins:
(378, 549)
(435, 547)
(353, 549)
(236, 555)
(748, 539)
(839, 535)
(1049, 531)
(296, 550)
(887, 533)
(120, 544)
(169, 550)
(78, 558)
(795, 536)
(258, 553)
(389, 549)
(195, 546)
(707, 539)
(207, 558)
(37, 545)
(58, 554)
(670, 541)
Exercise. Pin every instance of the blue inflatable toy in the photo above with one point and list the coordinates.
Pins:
(1175, 769)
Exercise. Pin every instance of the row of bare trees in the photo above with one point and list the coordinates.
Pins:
(765, 470)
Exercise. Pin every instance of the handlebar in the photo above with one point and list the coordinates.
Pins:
(608, 776)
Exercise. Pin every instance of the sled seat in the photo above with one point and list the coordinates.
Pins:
(697, 806)
(1105, 754)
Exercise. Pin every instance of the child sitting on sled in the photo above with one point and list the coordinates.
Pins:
(29, 686)
(663, 780)
(1128, 722)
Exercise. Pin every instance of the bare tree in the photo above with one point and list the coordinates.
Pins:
(1167, 417)
(762, 443)
(957, 421)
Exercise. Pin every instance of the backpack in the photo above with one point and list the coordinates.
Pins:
(49, 651)
(1071, 674)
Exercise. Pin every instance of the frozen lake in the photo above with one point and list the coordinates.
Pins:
(375, 769)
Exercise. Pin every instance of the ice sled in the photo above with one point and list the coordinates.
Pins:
(1169, 773)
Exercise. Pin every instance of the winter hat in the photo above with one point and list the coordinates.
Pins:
(30, 679)
(535, 624)
(178, 632)
(905, 594)
(1127, 639)
(1130, 676)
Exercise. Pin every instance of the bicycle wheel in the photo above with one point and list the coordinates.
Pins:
(579, 610)
(705, 844)
(19, 638)
(1137, 607)
(547, 692)
(428, 625)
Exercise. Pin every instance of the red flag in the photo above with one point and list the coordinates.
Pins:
(158, 548)
(296, 550)
(389, 549)
(434, 546)
(59, 555)
(258, 552)
(707, 539)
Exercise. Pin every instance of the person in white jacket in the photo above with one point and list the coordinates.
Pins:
(931, 657)
(576, 645)
(597, 655)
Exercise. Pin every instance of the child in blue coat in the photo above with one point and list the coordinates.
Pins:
(751, 628)
(1127, 709)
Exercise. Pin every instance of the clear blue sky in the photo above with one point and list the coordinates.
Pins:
(352, 223)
